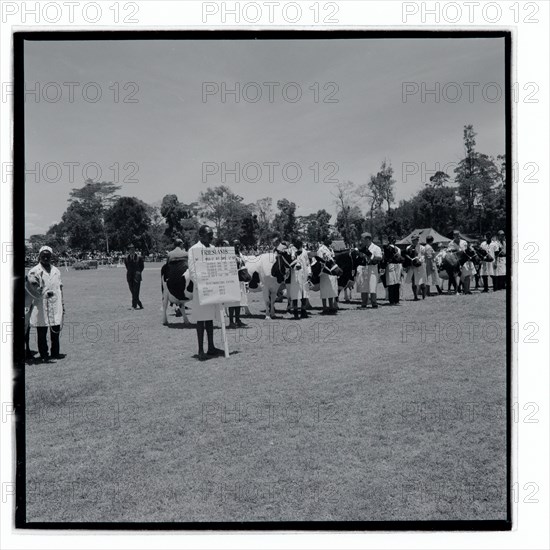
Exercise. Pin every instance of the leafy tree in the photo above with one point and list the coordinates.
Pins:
(96, 198)
(249, 229)
(345, 197)
(181, 219)
(439, 179)
(128, 222)
(264, 211)
(84, 226)
(285, 221)
(225, 210)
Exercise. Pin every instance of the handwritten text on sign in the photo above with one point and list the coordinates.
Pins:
(217, 276)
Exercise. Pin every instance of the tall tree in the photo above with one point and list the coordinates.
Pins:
(127, 222)
(285, 221)
(96, 197)
(264, 210)
(344, 199)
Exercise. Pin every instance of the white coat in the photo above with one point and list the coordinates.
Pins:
(328, 284)
(367, 275)
(298, 288)
(48, 311)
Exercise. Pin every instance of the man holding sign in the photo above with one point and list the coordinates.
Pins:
(216, 282)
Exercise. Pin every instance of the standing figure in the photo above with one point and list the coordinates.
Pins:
(235, 310)
(328, 283)
(203, 315)
(299, 274)
(49, 308)
(488, 255)
(416, 261)
(367, 275)
(432, 275)
(392, 261)
(457, 246)
(134, 269)
(500, 264)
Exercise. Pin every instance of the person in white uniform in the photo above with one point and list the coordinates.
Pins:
(415, 256)
(490, 248)
(367, 275)
(328, 284)
(432, 275)
(48, 311)
(203, 315)
(299, 274)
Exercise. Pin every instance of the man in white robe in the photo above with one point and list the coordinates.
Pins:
(432, 276)
(415, 255)
(328, 284)
(299, 287)
(48, 311)
(488, 261)
(367, 275)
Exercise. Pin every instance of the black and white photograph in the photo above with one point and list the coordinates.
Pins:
(263, 279)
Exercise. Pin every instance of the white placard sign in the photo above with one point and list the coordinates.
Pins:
(217, 280)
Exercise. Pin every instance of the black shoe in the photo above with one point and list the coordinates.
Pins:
(231, 325)
(45, 359)
(304, 314)
(215, 352)
(240, 324)
(202, 356)
(59, 356)
(374, 306)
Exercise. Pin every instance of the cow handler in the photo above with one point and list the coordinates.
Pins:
(203, 315)
(49, 310)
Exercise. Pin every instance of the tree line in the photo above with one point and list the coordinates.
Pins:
(474, 200)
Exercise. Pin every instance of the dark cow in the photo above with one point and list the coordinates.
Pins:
(348, 261)
(176, 287)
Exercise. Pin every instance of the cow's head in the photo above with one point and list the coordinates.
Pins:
(281, 267)
(244, 274)
(34, 285)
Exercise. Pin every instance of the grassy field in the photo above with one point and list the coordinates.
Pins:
(396, 413)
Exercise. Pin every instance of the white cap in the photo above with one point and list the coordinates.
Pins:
(45, 249)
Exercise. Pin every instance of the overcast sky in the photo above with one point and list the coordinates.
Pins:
(170, 131)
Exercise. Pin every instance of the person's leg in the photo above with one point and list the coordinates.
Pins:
(238, 321)
(130, 280)
(212, 349)
(415, 292)
(303, 313)
(232, 311)
(331, 307)
(439, 289)
(54, 337)
(373, 300)
(200, 339)
(137, 287)
(364, 299)
(42, 337)
(324, 305)
(466, 284)
(423, 290)
(428, 290)
(295, 309)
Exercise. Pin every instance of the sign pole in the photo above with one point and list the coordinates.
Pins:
(224, 335)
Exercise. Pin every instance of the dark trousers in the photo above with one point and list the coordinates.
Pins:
(393, 294)
(134, 287)
(42, 335)
(500, 282)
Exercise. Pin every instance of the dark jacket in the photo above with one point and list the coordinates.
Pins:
(133, 263)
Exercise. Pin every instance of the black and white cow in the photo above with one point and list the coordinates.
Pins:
(268, 273)
(177, 287)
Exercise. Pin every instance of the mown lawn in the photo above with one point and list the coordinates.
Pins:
(397, 413)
